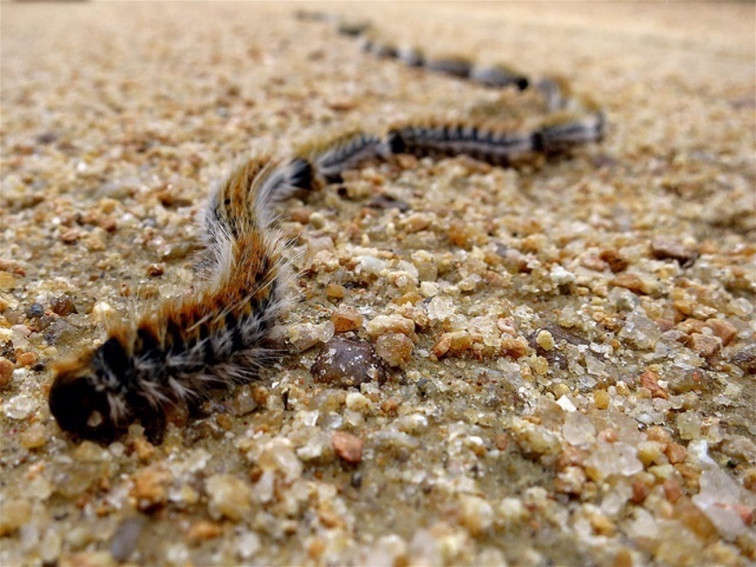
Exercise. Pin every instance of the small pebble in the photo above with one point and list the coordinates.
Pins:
(745, 358)
(455, 343)
(650, 380)
(34, 437)
(70, 236)
(644, 285)
(545, 340)
(704, 345)
(390, 324)
(62, 305)
(203, 530)
(335, 291)
(155, 270)
(347, 447)
(344, 363)
(15, 513)
(722, 329)
(346, 318)
(125, 539)
(229, 496)
(666, 248)
(395, 349)
(304, 336)
(26, 359)
(35, 310)
(476, 514)
(150, 486)
(6, 372)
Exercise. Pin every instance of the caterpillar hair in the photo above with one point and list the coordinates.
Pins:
(221, 333)
(213, 337)
(499, 76)
(345, 151)
(455, 66)
(491, 145)
(563, 131)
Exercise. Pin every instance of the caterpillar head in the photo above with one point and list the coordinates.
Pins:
(81, 398)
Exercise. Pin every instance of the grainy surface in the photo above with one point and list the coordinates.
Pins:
(569, 349)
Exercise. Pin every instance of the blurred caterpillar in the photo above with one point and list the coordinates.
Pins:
(219, 335)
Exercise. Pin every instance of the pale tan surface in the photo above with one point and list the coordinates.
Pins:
(117, 120)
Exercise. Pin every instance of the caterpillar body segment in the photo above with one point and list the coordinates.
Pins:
(436, 140)
(499, 76)
(333, 156)
(411, 56)
(564, 131)
(455, 66)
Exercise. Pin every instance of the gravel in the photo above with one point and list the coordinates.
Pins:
(555, 362)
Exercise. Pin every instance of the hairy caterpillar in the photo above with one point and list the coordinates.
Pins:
(220, 334)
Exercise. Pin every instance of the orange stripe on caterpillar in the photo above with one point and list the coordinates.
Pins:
(216, 335)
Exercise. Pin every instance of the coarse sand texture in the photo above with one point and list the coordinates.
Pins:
(552, 363)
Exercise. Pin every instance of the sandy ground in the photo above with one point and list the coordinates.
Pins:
(575, 377)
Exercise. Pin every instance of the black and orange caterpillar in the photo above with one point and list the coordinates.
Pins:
(219, 334)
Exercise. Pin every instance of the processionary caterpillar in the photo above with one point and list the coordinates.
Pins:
(220, 334)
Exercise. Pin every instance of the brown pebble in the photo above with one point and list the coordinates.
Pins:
(623, 558)
(602, 524)
(649, 380)
(108, 224)
(341, 104)
(300, 215)
(71, 235)
(617, 263)
(460, 234)
(640, 491)
(335, 291)
(150, 486)
(633, 282)
(203, 530)
(745, 358)
(514, 347)
(155, 270)
(62, 306)
(26, 358)
(347, 447)
(417, 222)
(7, 281)
(664, 248)
(659, 434)
(502, 441)
(452, 344)
(169, 197)
(672, 490)
(722, 329)
(676, 453)
(224, 421)
(344, 363)
(6, 372)
(346, 318)
(395, 349)
(34, 437)
(704, 345)
(144, 449)
(601, 399)
(609, 435)
(390, 406)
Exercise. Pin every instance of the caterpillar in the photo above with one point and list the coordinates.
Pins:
(220, 334)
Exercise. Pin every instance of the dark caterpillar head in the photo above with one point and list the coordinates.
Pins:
(79, 397)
